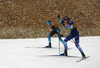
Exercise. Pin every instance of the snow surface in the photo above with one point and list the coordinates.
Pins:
(27, 53)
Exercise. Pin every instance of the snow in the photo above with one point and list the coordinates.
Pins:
(27, 53)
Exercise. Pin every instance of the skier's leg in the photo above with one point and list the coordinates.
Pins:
(65, 46)
(78, 46)
(69, 37)
(49, 38)
(80, 49)
(63, 42)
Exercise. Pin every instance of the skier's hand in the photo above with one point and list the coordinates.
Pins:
(58, 16)
(49, 20)
(62, 22)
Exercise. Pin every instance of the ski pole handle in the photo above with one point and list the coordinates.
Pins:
(58, 16)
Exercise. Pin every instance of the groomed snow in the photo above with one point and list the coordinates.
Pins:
(27, 53)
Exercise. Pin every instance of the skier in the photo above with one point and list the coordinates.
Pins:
(55, 30)
(67, 22)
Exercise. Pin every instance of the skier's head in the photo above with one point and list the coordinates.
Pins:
(66, 19)
(49, 22)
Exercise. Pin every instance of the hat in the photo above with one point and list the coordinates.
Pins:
(49, 22)
(65, 18)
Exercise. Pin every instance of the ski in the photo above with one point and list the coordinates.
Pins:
(47, 47)
(69, 56)
(83, 59)
(54, 48)
(59, 56)
(42, 47)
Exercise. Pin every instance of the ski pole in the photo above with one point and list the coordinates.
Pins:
(59, 46)
(59, 39)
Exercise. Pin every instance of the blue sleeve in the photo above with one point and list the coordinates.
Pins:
(71, 22)
(58, 31)
(70, 27)
(60, 20)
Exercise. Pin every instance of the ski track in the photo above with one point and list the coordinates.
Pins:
(25, 53)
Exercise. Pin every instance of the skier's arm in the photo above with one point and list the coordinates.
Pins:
(59, 33)
(69, 26)
(61, 21)
(57, 30)
(53, 27)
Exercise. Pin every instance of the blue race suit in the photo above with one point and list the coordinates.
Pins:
(74, 33)
(56, 30)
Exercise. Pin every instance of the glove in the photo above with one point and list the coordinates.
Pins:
(58, 16)
(50, 21)
(62, 22)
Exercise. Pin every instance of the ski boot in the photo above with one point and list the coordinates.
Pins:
(49, 46)
(83, 55)
(65, 53)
